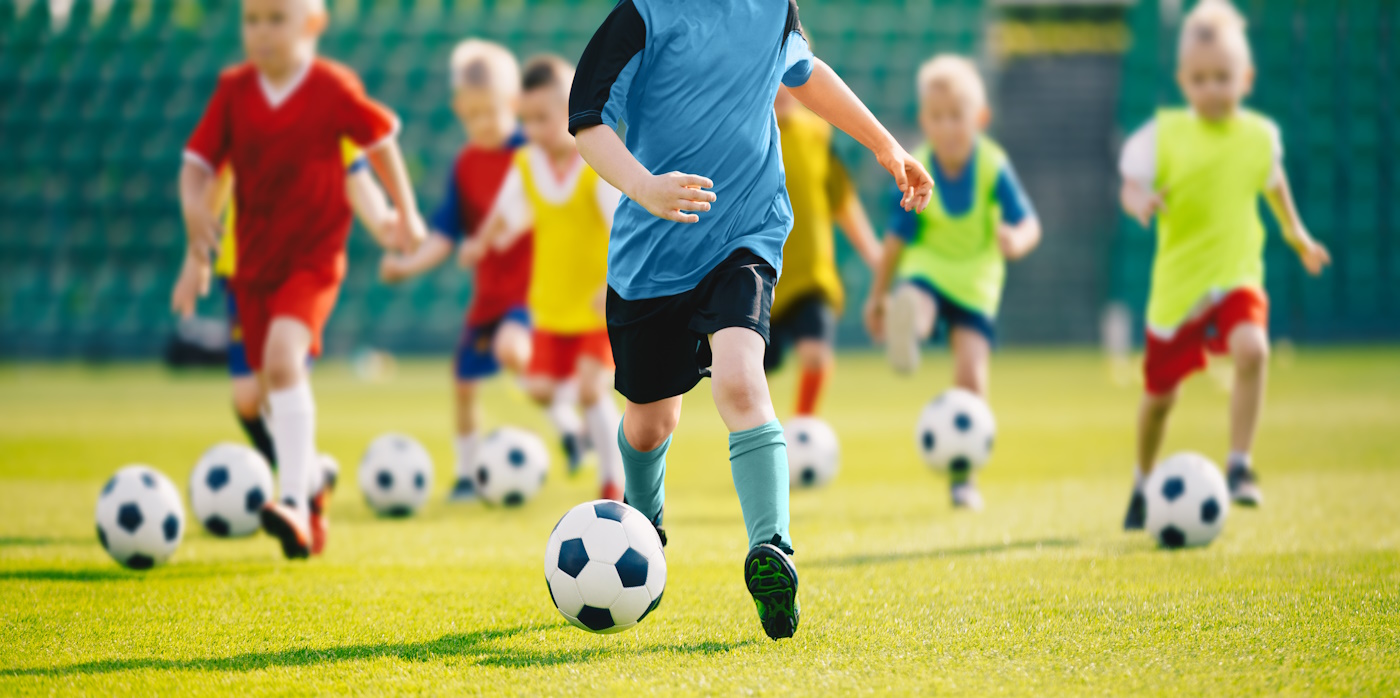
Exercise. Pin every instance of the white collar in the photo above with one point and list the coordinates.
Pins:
(276, 96)
(552, 187)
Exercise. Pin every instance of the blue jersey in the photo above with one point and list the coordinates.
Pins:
(691, 85)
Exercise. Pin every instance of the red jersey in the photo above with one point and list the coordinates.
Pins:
(502, 276)
(293, 215)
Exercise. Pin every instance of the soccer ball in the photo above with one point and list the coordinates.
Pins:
(1187, 501)
(229, 486)
(814, 455)
(956, 431)
(396, 474)
(604, 566)
(140, 519)
(511, 466)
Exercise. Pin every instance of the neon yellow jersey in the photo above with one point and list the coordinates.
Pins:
(571, 253)
(1209, 237)
(817, 185)
(226, 261)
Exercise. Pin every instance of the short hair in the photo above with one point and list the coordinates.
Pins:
(547, 70)
(481, 64)
(953, 73)
(1215, 23)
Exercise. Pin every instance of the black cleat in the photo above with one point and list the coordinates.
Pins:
(772, 581)
(573, 449)
(1244, 486)
(463, 491)
(281, 522)
(660, 530)
(1136, 519)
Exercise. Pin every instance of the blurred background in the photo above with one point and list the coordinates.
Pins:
(97, 98)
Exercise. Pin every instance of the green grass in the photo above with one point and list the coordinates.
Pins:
(1041, 593)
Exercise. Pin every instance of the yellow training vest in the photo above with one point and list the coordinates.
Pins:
(818, 186)
(571, 253)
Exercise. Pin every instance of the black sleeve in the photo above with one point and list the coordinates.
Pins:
(793, 24)
(622, 36)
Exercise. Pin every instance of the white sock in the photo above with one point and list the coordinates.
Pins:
(563, 409)
(602, 419)
(466, 445)
(1138, 477)
(1238, 459)
(293, 427)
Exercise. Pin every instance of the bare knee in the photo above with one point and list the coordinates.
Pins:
(285, 353)
(1159, 405)
(247, 397)
(541, 390)
(972, 353)
(648, 426)
(1249, 348)
(512, 347)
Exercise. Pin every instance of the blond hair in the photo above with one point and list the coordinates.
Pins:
(477, 63)
(955, 74)
(1215, 23)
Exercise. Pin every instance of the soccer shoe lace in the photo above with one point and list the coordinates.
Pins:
(771, 579)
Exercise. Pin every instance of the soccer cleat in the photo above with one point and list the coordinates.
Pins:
(1244, 486)
(660, 530)
(966, 496)
(613, 491)
(330, 470)
(1136, 518)
(464, 490)
(772, 581)
(320, 519)
(282, 522)
(901, 335)
(573, 448)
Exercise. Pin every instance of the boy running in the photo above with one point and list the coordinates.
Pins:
(692, 260)
(809, 297)
(949, 261)
(278, 120)
(552, 190)
(496, 333)
(1200, 171)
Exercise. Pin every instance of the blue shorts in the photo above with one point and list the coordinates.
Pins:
(475, 356)
(237, 354)
(953, 314)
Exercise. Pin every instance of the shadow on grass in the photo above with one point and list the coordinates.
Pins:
(114, 573)
(35, 542)
(477, 647)
(937, 553)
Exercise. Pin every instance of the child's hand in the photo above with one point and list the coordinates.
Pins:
(202, 232)
(875, 315)
(391, 269)
(412, 231)
(911, 177)
(1142, 203)
(1312, 253)
(669, 196)
(471, 253)
(192, 285)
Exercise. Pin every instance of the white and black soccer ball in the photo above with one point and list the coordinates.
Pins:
(228, 488)
(396, 475)
(814, 454)
(140, 519)
(511, 466)
(956, 431)
(604, 566)
(1187, 501)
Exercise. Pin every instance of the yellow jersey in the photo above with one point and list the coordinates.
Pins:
(226, 261)
(570, 265)
(817, 185)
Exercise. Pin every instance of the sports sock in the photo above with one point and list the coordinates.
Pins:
(563, 409)
(759, 464)
(256, 430)
(1238, 459)
(602, 420)
(1138, 477)
(646, 474)
(316, 476)
(293, 426)
(466, 445)
(809, 390)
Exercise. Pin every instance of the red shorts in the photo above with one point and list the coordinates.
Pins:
(308, 298)
(1170, 361)
(556, 355)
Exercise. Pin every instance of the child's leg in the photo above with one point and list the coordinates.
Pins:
(1249, 347)
(248, 405)
(293, 410)
(467, 440)
(1152, 428)
(757, 451)
(971, 356)
(815, 357)
(912, 313)
(512, 346)
(643, 439)
(601, 418)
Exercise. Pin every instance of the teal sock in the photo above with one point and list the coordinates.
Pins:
(758, 461)
(646, 475)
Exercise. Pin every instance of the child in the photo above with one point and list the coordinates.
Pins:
(950, 260)
(1200, 172)
(496, 333)
(692, 261)
(366, 199)
(808, 299)
(551, 189)
(278, 121)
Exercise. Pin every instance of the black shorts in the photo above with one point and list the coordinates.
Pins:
(662, 345)
(809, 317)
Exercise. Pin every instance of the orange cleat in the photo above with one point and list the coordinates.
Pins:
(320, 519)
(281, 522)
(612, 491)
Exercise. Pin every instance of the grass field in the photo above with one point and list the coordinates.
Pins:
(1041, 593)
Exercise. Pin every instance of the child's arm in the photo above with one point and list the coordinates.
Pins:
(394, 267)
(1140, 202)
(880, 286)
(856, 226)
(669, 196)
(198, 187)
(474, 249)
(372, 208)
(831, 99)
(1312, 253)
(1018, 230)
(1017, 241)
(192, 284)
(1138, 167)
(388, 164)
